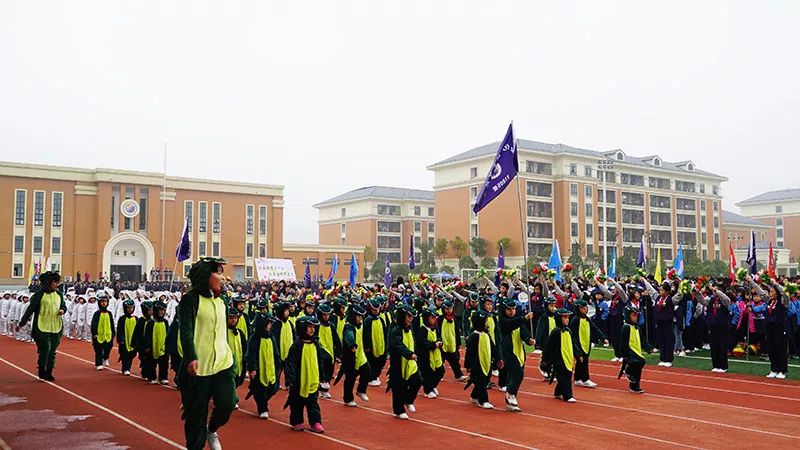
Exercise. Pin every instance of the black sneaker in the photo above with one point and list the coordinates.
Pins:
(637, 390)
(48, 375)
(41, 374)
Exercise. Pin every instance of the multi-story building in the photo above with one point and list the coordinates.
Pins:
(780, 211)
(736, 234)
(380, 217)
(105, 221)
(562, 198)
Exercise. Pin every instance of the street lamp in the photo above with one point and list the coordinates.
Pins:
(605, 165)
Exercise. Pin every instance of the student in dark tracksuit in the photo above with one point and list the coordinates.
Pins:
(718, 320)
(125, 344)
(428, 344)
(585, 332)
(404, 378)
(664, 304)
(450, 331)
(776, 304)
(138, 336)
(512, 335)
(374, 336)
(633, 346)
(547, 323)
(303, 369)
(559, 356)
(479, 359)
(354, 359)
(262, 361)
(46, 306)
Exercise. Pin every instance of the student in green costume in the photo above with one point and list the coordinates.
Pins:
(544, 327)
(243, 321)
(155, 345)
(138, 336)
(303, 368)
(46, 306)
(283, 331)
(450, 331)
(262, 361)
(466, 320)
(354, 359)
(558, 355)
(329, 341)
(479, 359)
(513, 334)
(632, 349)
(586, 332)
(125, 326)
(237, 341)
(429, 344)
(102, 332)
(404, 378)
(207, 366)
(340, 316)
(375, 341)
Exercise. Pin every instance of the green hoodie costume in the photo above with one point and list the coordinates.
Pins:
(263, 357)
(46, 308)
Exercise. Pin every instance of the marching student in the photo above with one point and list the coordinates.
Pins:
(585, 332)
(237, 341)
(664, 304)
(513, 334)
(776, 303)
(5, 305)
(632, 346)
(126, 324)
(46, 306)
(375, 341)
(616, 305)
(102, 330)
(90, 308)
(547, 323)
(559, 356)
(429, 344)
(329, 341)
(155, 343)
(262, 360)
(283, 332)
(24, 333)
(718, 319)
(303, 369)
(404, 378)
(146, 308)
(479, 359)
(450, 331)
(354, 359)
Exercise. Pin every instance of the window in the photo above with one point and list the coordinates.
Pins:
(779, 232)
(473, 193)
(685, 221)
(188, 212)
(684, 186)
(686, 238)
(703, 238)
(573, 170)
(249, 250)
(19, 244)
(716, 222)
(658, 201)
(587, 191)
(55, 245)
(573, 189)
(201, 248)
(417, 241)
(216, 220)
(540, 209)
(573, 209)
(38, 208)
(632, 199)
(715, 189)
(388, 241)
(430, 211)
(37, 244)
(611, 177)
(262, 250)
(538, 230)
(394, 257)
(632, 234)
(17, 270)
(620, 156)
(417, 211)
(703, 206)
(611, 214)
(715, 206)
(633, 180)
(250, 211)
(538, 168)
(215, 249)
(657, 162)
(778, 209)
(537, 189)
(248, 271)
(129, 193)
(473, 172)
(611, 234)
(114, 198)
(262, 220)
(685, 204)
(589, 230)
(716, 254)
(430, 227)
(690, 167)
(58, 208)
(716, 238)
(660, 219)
(633, 216)
(417, 227)
(779, 221)
(611, 196)
(666, 254)
(658, 183)
(19, 207)
(344, 212)
(473, 230)
(574, 229)
(589, 209)
(388, 227)
(703, 221)
(431, 241)
(388, 210)
(702, 188)
(143, 194)
(343, 228)
(202, 212)
(661, 237)
(587, 171)
(589, 250)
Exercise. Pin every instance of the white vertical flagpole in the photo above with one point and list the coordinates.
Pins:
(163, 209)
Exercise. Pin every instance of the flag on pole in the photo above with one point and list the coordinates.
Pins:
(657, 275)
(48, 263)
(387, 274)
(411, 263)
(504, 169)
(32, 272)
(334, 268)
(501, 258)
(678, 263)
(732, 262)
(353, 269)
(184, 249)
(307, 275)
(771, 265)
(612, 268)
(555, 260)
(752, 261)
(641, 260)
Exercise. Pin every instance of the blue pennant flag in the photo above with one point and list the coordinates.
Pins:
(387, 275)
(612, 268)
(334, 268)
(184, 250)
(353, 269)
(555, 260)
(752, 262)
(641, 260)
(411, 262)
(307, 276)
(504, 169)
(678, 263)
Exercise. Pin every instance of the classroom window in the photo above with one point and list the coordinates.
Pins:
(17, 270)
(686, 238)
(430, 211)
(202, 213)
(215, 249)
(538, 230)
(143, 194)
(128, 223)
(538, 168)
(685, 204)
(249, 250)
(540, 209)
(473, 230)
(573, 209)
(262, 250)
(779, 232)
(216, 220)
(249, 271)
(250, 211)
(633, 180)
(686, 221)
(188, 208)
(388, 210)
(417, 211)
(201, 248)
(473, 172)
(588, 191)
(658, 183)
(37, 244)
(589, 230)
(632, 234)
(779, 221)
(38, 208)
(540, 189)
(417, 227)
(574, 229)
(388, 227)
(589, 209)
(431, 227)
(344, 212)
(660, 219)
(632, 199)
(262, 220)
(587, 171)
(55, 245)
(573, 169)
(342, 228)
(19, 244)
(114, 201)
(58, 205)
(573, 189)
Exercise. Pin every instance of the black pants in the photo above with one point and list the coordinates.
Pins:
(262, 394)
(148, 367)
(363, 373)
(514, 374)
(101, 351)
(162, 363)
(196, 392)
(666, 341)
(563, 383)
(431, 378)
(791, 335)
(46, 345)
(776, 346)
(175, 365)
(405, 392)
(479, 382)
(582, 369)
(614, 327)
(455, 365)
(502, 377)
(327, 370)
(718, 341)
(634, 373)
(126, 357)
(296, 406)
(376, 365)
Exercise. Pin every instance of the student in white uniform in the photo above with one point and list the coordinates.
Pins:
(13, 317)
(80, 317)
(5, 304)
(24, 333)
(91, 308)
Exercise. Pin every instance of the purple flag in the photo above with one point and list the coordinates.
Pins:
(411, 263)
(184, 247)
(504, 169)
(387, 276)
(501, 258)
(752, 262)
(307, 276)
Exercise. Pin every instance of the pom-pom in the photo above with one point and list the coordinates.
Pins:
(672, 274)
(763, 276)
(640, 273)
(742, 273)
(567, 267)
(551, 273)
(685, 287)
(601, 276)
(481, 273)
(791, 288)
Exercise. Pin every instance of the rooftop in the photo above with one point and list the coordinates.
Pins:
(773, 196)
(385, 192)
(556, 149)
(731, 218)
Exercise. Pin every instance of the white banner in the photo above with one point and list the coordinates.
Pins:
(275, 269)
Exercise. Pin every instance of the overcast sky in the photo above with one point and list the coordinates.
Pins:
(327, 96)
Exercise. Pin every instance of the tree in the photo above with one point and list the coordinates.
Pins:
(399, 270)
(447, 269)
(488, 263)
(369, 254)
(459, 247)
(377, 270)
(504, 242)
(440, 250)
(466, 262)
(426, 262)
(625, 266)
(478, 246)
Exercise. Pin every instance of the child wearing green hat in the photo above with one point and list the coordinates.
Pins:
(354, 359)
(547, 323)
(632, 347)
(262, 362)
(125, 327)
(237, 341)
(329, 341)
(303, 368)
(513, 334)
(429, 344)
(102, 332)
(155, 339)
(586, 332)
(450, 332)
(375, 340)
(479, 359)
(558, 356)
(404, 377)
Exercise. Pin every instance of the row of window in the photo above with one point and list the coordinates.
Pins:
(38, 243)
(216, 217)
(57, 209)
(394, 210)
(127, 222)
(395, 227)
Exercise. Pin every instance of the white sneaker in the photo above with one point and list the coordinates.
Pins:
(513, 408)
(326, 395)
(430, 395)
(213, 441)
(474, 401)
(462, 378)
(264, 415)
(715, 370)
(411, 408)
(571, 400)
(707, 347)
(363, 397)
(127, 373)
(543, 374)
(402, 416)
(589, 384)
(99, 368)
(325, 386)
(503, 389)
(436, 391)
(374, 383)
(511, 400)
(615, 359)
(166, 382)
(772, 375)
(661, 363)
(495, 373)
(487, 405)
(105, 363)
(537, 352)
(153, 381)
(579, 383)
(667, 364)
(780, 376)
(351, 404)
(722, 370)
(682, 353)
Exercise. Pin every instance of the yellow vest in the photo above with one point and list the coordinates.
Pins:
(266, 362)
(378, 346)
(104, 328)
(340, 327)
(235, 343)
(484, 352)
(516, 346)
(309, 370)
(490, 328)
(211, 337)
(634, 342)
(49, 320)
(286, 339)
(435, 354)
(241, 324)
(408, 366)
(566, 350)
(326, 339)
(159, 339)
(449, 336)
(584, 334)
(361, 357)
(130, 325)
(551, 324)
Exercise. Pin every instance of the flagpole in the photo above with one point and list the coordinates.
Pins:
(164, 214)
(524, 241)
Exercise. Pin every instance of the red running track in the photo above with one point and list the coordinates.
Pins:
(682, 408)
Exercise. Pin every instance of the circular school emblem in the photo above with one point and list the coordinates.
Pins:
(129, 208)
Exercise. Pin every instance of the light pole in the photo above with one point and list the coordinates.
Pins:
(605, 165)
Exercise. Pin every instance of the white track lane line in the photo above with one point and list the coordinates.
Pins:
(98, 406)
